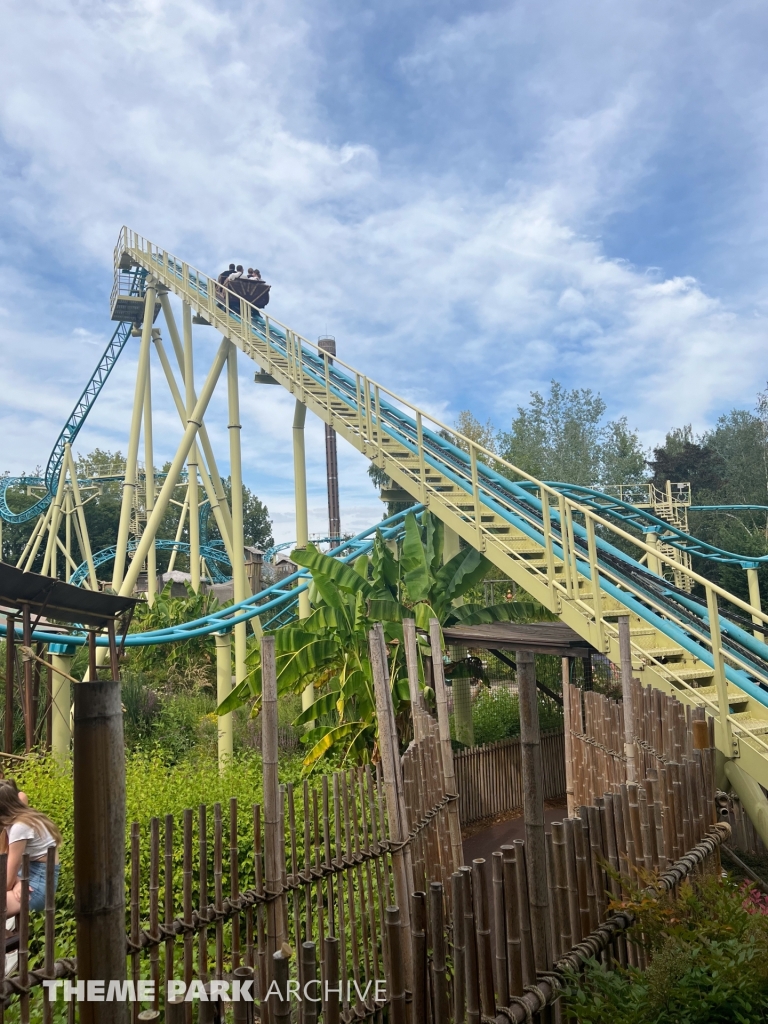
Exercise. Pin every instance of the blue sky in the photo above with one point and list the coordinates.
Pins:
(474, 200)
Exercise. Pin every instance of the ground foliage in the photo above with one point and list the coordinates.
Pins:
(155, 787)
(708, 952)
(190, 664)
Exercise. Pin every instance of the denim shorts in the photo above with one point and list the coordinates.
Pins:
(37, 870)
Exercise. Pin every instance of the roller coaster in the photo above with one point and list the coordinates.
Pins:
(586, 555)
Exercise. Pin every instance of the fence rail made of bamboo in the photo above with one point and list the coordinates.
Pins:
(357, 883)
(489, 777)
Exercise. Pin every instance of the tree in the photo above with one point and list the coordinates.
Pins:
(683, 459)
(564, 436)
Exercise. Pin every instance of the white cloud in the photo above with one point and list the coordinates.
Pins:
(202, 125)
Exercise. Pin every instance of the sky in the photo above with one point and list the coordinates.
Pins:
(473, 199)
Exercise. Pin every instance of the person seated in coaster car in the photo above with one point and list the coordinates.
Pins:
(253, 288)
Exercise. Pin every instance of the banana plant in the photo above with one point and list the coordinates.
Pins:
(329, 649)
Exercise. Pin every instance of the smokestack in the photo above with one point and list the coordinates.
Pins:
(328, 344)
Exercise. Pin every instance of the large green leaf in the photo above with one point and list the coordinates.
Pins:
(290, 638)
(321, 618)
(360, 565)
(308, 659)
(401, 691)
(509, 611)
(331, 738)
(434, 537)
(239, 696)
(463, 571)
(386, 568)
(385, 609)
(417, 577)
(422, 613)
(328, 592)
(322, 706)
(344, 576)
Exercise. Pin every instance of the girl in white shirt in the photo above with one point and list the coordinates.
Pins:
(31, 832)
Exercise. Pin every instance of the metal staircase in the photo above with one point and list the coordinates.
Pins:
(559, 543)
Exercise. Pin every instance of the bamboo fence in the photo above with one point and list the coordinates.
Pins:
(489, 777)
(359, 880)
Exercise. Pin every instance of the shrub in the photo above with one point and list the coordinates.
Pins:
(708, 963)
(496, 714)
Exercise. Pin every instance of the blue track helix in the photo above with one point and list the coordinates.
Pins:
(72, 427)
(213, 556)
(274, 606)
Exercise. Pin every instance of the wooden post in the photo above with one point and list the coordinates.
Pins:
(402, 866)
(273, 837)
(281, 1005)
(29, 725)
(331, 987)
(451, 787)
(566, 676)
(457, 913)
(625, 654)
(397, 983)
(10, 673)
(99, 797)
(420, 996)
(412, 666)
(436, 924)
(533, 809)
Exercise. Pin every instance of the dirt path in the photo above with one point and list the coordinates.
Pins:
(483, 844)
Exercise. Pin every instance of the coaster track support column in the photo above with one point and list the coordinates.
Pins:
(193, 460)
(239, 579)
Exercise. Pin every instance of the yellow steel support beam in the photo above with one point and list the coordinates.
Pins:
(239, 579)
(131, 460)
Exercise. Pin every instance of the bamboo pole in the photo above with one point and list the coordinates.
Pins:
(483, 935)
(272, 833)
(625, 649)
(99, 791)
(402, 866)
(567, 730)
(397, 994)
(533, 809)
(459, 970)
(451, 788)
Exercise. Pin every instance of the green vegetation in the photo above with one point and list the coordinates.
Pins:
(496, 715)
(564, 436)
(708, 962)
(156, 785)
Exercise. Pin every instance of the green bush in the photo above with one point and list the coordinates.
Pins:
(496, 715)
(155, 787)
(708, 963)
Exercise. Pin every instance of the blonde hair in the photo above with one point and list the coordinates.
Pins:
(13, 810)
